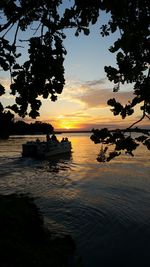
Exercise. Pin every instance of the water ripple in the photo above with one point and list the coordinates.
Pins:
(104, 206)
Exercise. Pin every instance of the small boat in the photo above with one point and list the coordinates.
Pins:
(38, 149)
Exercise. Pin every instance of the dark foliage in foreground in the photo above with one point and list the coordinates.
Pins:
(6, 122)
(119, 140)
(24, 241)
(43, 73)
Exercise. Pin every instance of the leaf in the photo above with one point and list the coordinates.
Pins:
(147, 143)
(17, 66)
(14, 108)
(86, 31)
(2, 90)
(116, 88)
(141, 138)
(1, 108)
(76, 33)
(111, 102)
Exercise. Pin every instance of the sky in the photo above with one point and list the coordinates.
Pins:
(83, 102)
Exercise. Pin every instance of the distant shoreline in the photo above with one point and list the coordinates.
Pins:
(135, 130)
(113, 130)
(87, 131)
(60, 132)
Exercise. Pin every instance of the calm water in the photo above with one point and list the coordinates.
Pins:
(104, 206)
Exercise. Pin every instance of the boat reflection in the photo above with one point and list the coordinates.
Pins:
(61, 163)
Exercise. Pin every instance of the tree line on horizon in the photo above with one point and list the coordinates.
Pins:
(20, 127)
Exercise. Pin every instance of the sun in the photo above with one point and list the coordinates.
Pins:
(63, 122)
(66, 125)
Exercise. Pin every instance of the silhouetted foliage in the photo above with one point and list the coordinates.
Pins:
(6, 122)
(42, 74)
(21, 127)
(118, 141)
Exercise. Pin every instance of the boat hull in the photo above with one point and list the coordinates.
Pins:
(45, 149)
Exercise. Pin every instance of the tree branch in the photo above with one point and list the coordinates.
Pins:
(137, 121)
(2, 28)
(147, 116)
(16, 34)
(36, 29)
(7, 30)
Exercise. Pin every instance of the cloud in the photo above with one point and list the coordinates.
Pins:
(94, 93)
(79, 114)
(95, 82)
(98, 97)
(5, 82)
(82, 105)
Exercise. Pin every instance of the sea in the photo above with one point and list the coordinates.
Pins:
(105, 207)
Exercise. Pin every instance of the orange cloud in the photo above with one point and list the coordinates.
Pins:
(94, 93)
(5, 82)
(83, 105)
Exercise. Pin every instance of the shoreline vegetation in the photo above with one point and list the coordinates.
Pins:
(136, 130)
(113, 130)
(11, 127)
(24, 239)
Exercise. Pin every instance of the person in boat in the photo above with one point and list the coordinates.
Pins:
(64, 140)
(48, 138)
(54, 138)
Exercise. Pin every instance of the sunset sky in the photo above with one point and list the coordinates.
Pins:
(83, 102)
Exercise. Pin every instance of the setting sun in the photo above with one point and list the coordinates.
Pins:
(66, 125)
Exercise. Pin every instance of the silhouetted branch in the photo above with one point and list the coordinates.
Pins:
(42, 30)
(24, 40)
(15, 37)
(147, 116)
(5, 26)
(7, 30)
(36, 28)
(137, 121)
